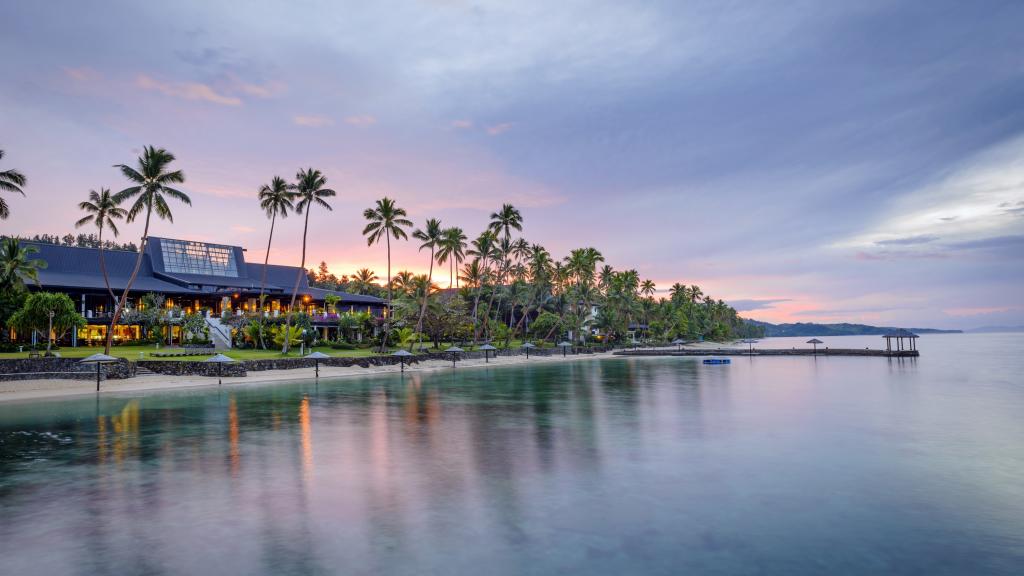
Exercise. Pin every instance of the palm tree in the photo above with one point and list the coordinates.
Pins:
(10, 181)
(17, 265)
(431, 237)
(102, 210)
(647, 288)
(483, 250)
(151, 190)
(276, 200)
(452, 250)
(505, 220)
(310, 191)
(363, 280)
(386, 220)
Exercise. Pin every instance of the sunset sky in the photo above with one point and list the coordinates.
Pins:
(804, 161)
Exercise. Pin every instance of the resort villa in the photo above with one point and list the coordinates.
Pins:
(212, 279)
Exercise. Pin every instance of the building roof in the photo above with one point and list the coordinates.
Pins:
(74, 268)
(900, 333)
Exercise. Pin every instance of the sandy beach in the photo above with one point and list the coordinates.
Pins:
(53, 388)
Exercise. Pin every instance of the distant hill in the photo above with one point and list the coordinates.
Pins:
(990, 329)
(844, 329)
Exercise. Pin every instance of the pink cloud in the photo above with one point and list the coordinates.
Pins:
(82, 74)
(186, 91)
(313, 121)
(360, 120)
(499, 128)
(462, 124)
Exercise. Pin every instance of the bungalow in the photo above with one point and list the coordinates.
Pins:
(192, 276)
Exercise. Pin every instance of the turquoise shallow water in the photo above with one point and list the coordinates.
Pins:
(626, 466)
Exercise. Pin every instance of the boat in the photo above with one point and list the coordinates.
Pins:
(717, 361)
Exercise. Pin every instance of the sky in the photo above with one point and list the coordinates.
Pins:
(805, 161)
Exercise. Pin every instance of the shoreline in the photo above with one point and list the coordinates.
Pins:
(53, 388)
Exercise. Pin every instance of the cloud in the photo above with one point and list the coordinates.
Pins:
(83, 74)
(243, 229)
(313, 121)
(364, 120)
(268, 90)
(186, 91)
(756, 304)
(462, 124)
(908, 240)
(499, 128)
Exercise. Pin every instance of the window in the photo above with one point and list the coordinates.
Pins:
(186, 257)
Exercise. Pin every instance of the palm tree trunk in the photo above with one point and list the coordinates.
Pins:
(387, 312)
(106, 280)
(426, 296)
(476, 300)
(131, 279)
(295, 290)
(263, 279)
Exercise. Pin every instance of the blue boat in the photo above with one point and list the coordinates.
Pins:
(717, 361)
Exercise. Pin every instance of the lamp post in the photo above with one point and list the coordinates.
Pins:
(49, 334)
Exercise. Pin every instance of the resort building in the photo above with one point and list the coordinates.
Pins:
(212, 279)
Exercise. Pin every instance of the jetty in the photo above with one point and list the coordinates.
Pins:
(769, 352)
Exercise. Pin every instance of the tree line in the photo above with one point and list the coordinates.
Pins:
(500, 286)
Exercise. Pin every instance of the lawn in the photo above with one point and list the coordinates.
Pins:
(146, 352)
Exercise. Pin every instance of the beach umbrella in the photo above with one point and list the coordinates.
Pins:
(402, 355)
(98, 359)
(564, 346)
(317, 357)
(487, 350)
(527, 346)
(815, 341)
(220, 360)
(678, 343)
(454, 350)
(750, 344)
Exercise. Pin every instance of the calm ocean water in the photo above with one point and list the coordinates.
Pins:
(625, 466)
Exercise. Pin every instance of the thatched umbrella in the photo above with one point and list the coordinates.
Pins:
(487, 348)
(750, 344)
(678, 343)
(98, 359)
(317, 357)
(815, 341)
(564, 346)
(527, 346)
(220, 360)
(455, 351)
(402, 355)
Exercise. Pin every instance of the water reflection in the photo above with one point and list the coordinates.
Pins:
(611, 467)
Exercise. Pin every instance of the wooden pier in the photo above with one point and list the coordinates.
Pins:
(769, 352)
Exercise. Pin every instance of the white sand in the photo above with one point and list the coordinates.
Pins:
(53, 388)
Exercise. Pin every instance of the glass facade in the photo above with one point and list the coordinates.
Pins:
(186, 257)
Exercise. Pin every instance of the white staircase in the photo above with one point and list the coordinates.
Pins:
(220, 334)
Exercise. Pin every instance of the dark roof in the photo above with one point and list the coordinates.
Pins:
(71, 267)
(900, 333)
(346, 297)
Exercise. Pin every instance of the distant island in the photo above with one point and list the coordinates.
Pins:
(843, 329)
